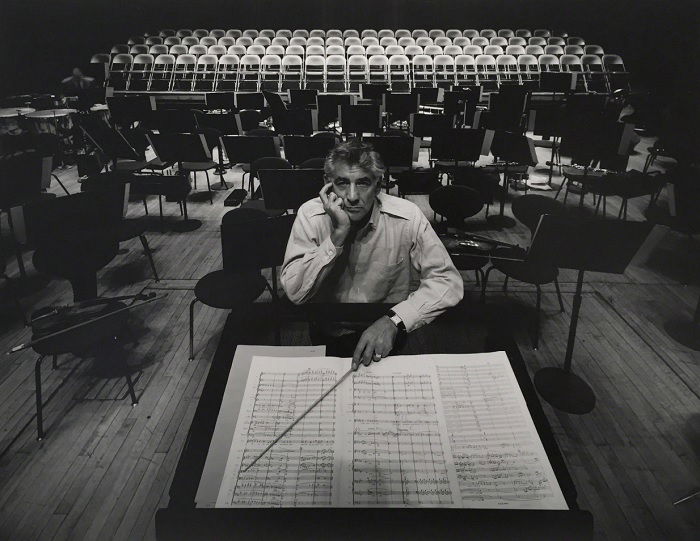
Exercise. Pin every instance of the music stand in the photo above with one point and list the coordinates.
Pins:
(583, 244)
(328, 107)
(178, 148)
(220, 100)
(396, 151)
(246, 149)
(426, 125)
(461, 145)
(303, 98)
(547, 121)
(289, 188)
(359, 119)
(299, 148)
(557, 82)
(400, 106)
(373, 91)
(295, 121)
(514, 150)
(250, 100)
(125, 110)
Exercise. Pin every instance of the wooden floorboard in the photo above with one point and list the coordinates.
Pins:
(105, 467)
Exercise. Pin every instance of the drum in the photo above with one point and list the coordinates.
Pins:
(101, 111)
(53, 121)
(10, 120)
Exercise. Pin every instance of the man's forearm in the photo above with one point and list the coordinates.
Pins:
(304, 271)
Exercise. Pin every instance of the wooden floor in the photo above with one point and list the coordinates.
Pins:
(105, 467)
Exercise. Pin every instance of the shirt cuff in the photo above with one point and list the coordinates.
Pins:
(329, 251)
(408, 314)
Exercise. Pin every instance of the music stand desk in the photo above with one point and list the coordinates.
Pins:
(289, 188)
(465, 329)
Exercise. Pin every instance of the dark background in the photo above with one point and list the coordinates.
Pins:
(41, 41)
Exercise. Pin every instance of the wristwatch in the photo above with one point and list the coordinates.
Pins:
(396, 320)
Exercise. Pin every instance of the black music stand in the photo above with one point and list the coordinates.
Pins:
(125, 110)
(289, 188)
(178, 148)
(461, 145)
(583, 244)
(303, 98)
(329, 106)
(299, 148)
(250, 100)
(373, 91)
(220, 101)
(514, 150)
(359, 119)
(295, 121)
(546, 120)
(396, 151)
(245, 149)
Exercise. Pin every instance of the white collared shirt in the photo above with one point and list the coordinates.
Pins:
(395, 258)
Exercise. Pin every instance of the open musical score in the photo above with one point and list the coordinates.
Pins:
(430, 430)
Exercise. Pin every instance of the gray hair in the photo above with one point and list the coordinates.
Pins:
(354, 153)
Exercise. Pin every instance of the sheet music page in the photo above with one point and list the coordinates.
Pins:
(419, 430)
(301, 470)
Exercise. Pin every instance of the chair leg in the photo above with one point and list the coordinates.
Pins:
(149, 254)
(130, 385)
(505, 284)
(561, 303)
(484, 283)
(39, 411)
(194, 301)
(145, 206)
(536, 339)
(564, 181)
(476, 276)
(160, 208)
(211, 199)
(60, 183)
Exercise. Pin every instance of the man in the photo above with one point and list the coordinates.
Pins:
(76, 84)
(355, 244)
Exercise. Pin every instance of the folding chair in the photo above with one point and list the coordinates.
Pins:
(271, 73)
(507, 67)
(183, 73)
(487, 73)
(445, 74)
(465, 70)
(140, 72)
(292, 70)
(119, 71)
(422, 71)
(379, 69)
(358, 72)
(315, 72)
(249, 74)
(227, 73)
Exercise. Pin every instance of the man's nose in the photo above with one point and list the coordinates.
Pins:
(352, 194)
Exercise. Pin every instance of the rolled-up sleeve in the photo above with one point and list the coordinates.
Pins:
(307, 260)
(441, 285)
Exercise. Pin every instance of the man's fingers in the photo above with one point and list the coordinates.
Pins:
(323, 194)
(359, 349)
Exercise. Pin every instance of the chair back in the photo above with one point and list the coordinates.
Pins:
(528, 209)
(456, 203)
(268, 162)
(251, 241)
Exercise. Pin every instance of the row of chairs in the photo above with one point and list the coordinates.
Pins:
(390, 50)
(368, 32)
(424, 41)
(336, 73)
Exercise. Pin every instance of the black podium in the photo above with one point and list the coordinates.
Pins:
(583, 244)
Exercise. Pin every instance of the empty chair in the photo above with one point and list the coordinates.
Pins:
(208, 41)
(200, 32)
(257, 50)
(183, 32)
(138, 49)
(299, 41)
(399, 73)
(615, 72)
(515, 50)
(593, 49)
(368, 33)
(424, 41)
(537, 40)
(275, 49)
(251, 33)
(136, 40)
(238, 50)
(234, 33)
(480, 41)
(419, 32)
(263, 41)
(280, 41)
(573, 49)
(555, 50)
(188, 41)
(197, 50)
(402, 33)
(369, 40)
(154, 40)
(534, 50)
(507, 66)
(549, 62)
(119, 70)
(523, 33)
(488, 33)
(412, 50)
(522, 42)
(217, 33)
(385, 33)
(529, 70)
(171, 40)
(358, 71)
(465, 70)
(355, 50)
(374, 49)
(432, 50)
(575, 40)
(379, 69)
(473, 50)
(297, 50)
(140, 72)
(461, 41)
(387, 41)
(166, 32)
(100, 58)
(436, 33)
(352, 41)
(249, 73)
(334, 33)
(301, 33)
(493, 50)
(453, 33)
(292, 70)
(555, 40)
(217, 50)
(271, 73)
(334, 40)
(336, 69)
(422, 71)
(284, 33)
(406, 41)
(470, 33)
(227, 72)
(486, 70)
(500, 41)
(315, 72)
(452, 50)
(205, 72)
(351, 32)
(542, 32)
(335, 50)
(244, 41)
(315, 50)
(183, 74)
(571, 63)
(315, 40)
(317, 33)
(158, 49)
(444, 67)
(267, 33)
(162, 72)
(506, 33)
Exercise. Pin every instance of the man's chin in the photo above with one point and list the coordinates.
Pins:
(356, 216)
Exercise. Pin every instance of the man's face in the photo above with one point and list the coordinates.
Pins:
(357, 188)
